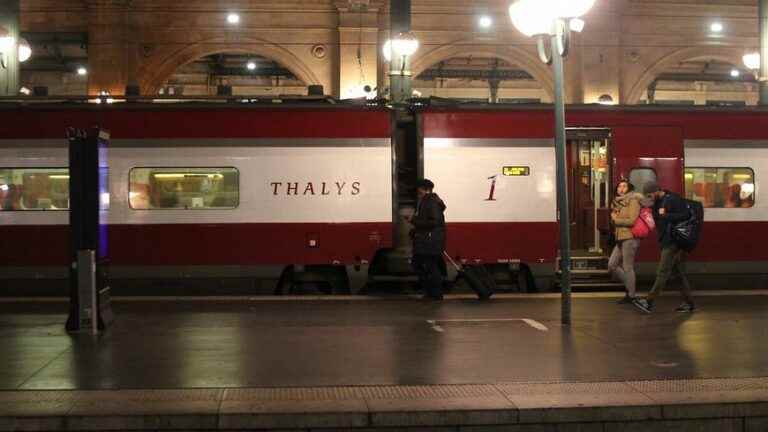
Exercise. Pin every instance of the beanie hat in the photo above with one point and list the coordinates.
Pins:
(651, 187)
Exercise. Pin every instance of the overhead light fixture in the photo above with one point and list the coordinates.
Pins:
(716, 27)
(537, 17)
(25, 50)
(251, 65)
(485, 22)
(752, 61)
(577, 24)
(233, 18)
(82, 71)
(105, 97)
(405, 44)
(735, 73)
(605, 99)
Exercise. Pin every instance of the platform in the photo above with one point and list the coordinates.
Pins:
(351, 363)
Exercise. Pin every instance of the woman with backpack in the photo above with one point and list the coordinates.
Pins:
(625, 215)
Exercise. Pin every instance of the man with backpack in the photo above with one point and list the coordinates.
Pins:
(669, 210)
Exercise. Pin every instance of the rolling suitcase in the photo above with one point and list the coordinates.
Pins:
(477, 278)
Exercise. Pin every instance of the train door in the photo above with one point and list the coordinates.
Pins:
(589, 188)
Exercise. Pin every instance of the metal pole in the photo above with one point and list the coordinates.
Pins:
(562, 183)
(763, 78)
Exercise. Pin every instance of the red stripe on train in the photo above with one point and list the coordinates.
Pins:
(278, 244)
(539, 123)
(199, 123)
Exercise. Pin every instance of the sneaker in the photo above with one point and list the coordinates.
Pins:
(686, 308)
(644, 305)
(626, 300)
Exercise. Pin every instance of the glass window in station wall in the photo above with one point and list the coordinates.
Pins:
(34, 189)
(184, 188)
(721, 187)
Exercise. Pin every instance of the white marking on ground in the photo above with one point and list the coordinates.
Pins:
(533, 323)
(664, 364)
(436, 327)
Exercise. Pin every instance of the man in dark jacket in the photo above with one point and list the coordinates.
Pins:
(428, 239)
(669, 209)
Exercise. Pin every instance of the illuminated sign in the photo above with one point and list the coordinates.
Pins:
(517, 171)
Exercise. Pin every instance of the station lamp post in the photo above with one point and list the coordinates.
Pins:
(552, 21)
(397, 51)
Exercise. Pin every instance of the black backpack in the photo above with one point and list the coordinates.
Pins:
(686, 234)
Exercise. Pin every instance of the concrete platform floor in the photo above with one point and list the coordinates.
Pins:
(242, 343)
(388, 365)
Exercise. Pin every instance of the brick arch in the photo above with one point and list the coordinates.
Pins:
(726, 54)
(155, 73)
(527, 60)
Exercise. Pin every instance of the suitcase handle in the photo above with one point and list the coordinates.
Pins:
(450, 260)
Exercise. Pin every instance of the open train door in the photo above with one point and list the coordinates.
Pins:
(589, 188)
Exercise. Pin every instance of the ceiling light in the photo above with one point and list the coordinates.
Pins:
(716, 27)
(735, 73)
(82, 71)
(485, 22)
(752, 61)
(233, 18)
(405, 44)
(577, 24)
(251, 65)
(25, 51)
(605, 99)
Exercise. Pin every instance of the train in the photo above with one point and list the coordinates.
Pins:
(300, 197)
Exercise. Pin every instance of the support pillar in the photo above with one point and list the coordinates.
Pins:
(9, 27)
(110, 59)
(400, 80)
(763, 10)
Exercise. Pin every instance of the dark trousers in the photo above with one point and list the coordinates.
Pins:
(671, 263)
(430, 277)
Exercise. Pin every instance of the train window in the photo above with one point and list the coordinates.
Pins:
(721, 187)
(34, 189)
(640, 176)
(184, 188)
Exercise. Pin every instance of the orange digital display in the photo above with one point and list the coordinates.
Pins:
(517, 171)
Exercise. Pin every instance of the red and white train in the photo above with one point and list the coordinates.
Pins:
(253, 192)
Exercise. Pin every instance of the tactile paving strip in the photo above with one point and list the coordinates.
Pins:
(369, 392)
(543, 389)
(432, 392)
(702, 386)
